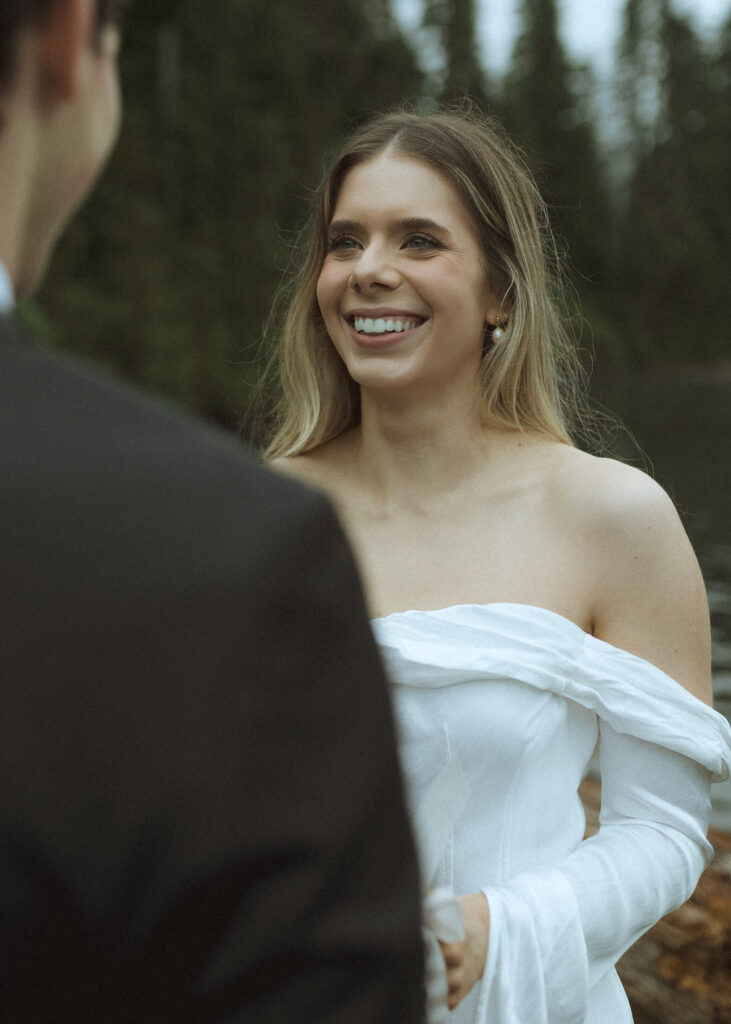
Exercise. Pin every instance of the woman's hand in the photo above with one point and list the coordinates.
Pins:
(465, 961)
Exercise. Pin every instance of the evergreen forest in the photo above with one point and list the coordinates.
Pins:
(231, 110)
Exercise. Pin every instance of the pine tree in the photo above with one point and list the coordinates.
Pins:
(676, 225)
(545, 110)
(639, 76)
(456, 24)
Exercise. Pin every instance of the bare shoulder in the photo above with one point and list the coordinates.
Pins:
(648, 592)
(610, 495)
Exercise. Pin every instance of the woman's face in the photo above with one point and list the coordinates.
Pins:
(403, 288)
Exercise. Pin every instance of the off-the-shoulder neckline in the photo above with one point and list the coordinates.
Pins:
(490, 605)
(584, 640)
(560, 620)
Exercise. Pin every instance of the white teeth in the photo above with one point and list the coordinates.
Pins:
(366, 325)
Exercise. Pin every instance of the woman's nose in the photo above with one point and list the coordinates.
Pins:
(374, 268)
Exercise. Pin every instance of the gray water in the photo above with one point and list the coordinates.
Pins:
(682, 424)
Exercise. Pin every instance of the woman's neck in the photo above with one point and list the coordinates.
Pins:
(414, 453)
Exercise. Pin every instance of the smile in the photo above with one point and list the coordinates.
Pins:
(366, 325)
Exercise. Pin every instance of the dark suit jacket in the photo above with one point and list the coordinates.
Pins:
(201, 814)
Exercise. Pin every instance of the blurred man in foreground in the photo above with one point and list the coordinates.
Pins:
(201, 816)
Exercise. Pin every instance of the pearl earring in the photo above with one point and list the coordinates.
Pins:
(498, 332)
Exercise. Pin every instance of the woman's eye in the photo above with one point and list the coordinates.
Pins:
(419, 241)
(339, 243)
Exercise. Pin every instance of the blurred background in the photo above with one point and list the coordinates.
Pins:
(622, 108)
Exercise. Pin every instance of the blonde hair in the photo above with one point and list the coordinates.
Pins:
(531, 380)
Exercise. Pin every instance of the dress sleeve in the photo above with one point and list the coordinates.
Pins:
(555, 933)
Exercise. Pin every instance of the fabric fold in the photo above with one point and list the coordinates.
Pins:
(540, 648)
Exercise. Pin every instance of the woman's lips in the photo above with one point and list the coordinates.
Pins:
(378, 328)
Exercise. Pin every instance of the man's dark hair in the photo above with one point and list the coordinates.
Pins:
(16, 13)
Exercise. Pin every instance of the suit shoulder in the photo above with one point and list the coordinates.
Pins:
(118, 441)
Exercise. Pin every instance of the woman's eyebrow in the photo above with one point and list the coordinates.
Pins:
(403, 223)
(345, 225)
(421, 224)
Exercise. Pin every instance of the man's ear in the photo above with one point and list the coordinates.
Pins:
(65, 30)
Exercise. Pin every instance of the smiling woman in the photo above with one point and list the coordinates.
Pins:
(534, 377)
(530, 600)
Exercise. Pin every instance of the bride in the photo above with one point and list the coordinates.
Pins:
(530, 600)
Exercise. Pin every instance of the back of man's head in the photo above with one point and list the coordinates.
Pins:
(60, 109)
(14, 14)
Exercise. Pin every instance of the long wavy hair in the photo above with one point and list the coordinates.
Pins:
(531, 380)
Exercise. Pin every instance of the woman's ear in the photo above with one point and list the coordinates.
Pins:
(498, 301)
(493, 309)
(64, 32)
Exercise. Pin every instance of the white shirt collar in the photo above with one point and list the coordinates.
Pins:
(7, 296)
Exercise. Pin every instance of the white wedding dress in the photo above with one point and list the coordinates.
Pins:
(519, 696)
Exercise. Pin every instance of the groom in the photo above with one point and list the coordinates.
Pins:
(201, 815)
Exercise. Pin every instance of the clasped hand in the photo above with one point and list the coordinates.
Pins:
(465, 961)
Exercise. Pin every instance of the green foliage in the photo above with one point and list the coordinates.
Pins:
(463, 73)
(545, 110)
(676, 225)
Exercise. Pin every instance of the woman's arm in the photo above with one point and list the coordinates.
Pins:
(648, 592)
(569, 924)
